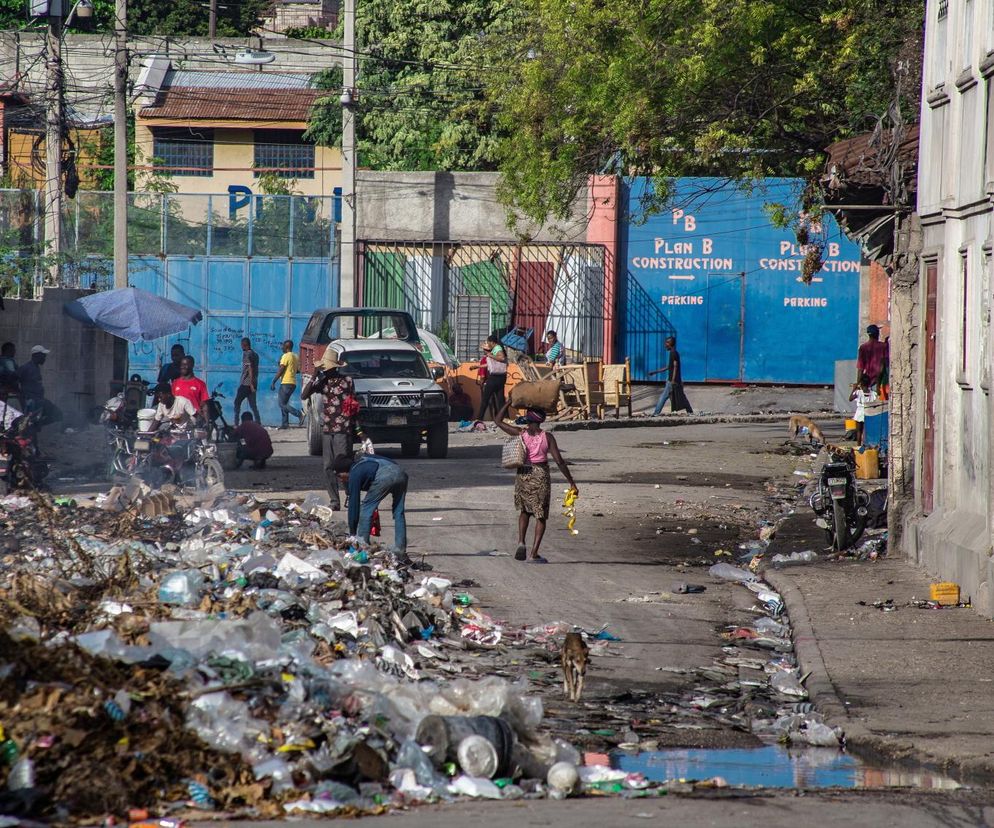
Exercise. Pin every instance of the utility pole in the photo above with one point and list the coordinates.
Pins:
(212, 25)
(348, 229)
(53, 141)
(120, 143)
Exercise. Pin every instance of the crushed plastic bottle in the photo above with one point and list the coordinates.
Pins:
(807, 556)
(22, 775)
(787, 683)
(727, 572)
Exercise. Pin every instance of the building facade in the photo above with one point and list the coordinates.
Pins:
(950, 529)
(210, 132)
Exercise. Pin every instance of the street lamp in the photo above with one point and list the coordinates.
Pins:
(83, 9)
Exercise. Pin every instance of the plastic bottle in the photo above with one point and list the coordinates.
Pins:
(563, 777)
(727, 572)
(477, 757)
(22, 775)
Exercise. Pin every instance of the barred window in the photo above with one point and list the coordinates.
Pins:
(183, 151)
(943, 9)
(284, 153)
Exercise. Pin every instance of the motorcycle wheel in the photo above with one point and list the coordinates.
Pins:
(840, 540)
(209, 474)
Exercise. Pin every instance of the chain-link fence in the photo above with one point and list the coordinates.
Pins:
(159, 224)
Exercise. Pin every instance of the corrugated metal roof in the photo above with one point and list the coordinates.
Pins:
(200, 104)
(236, 80)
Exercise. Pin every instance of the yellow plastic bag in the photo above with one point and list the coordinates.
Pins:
(569, 510)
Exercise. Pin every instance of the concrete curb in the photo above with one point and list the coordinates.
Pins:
(860, 740)
(667, 422)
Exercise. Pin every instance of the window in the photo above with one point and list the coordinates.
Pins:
(989, 137)
(964, 321)
(939, 70)
(183, 151)
(985, 322)
(284, 153)
(967, 39)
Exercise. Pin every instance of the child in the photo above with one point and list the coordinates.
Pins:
(862, 394)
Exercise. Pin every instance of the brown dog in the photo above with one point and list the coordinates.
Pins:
(798, 423)
(574, 659)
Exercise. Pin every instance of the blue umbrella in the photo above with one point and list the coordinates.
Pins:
(133, 314)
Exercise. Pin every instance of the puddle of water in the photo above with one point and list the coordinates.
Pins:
(774, 766)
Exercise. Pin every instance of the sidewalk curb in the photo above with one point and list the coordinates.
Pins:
(860, 740)
(670, 421)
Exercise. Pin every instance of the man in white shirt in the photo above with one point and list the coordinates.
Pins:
(178, 411)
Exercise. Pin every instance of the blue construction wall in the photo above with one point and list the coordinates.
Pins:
(267, 299)
(729, 284)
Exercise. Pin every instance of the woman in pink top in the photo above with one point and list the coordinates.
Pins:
(532, 484)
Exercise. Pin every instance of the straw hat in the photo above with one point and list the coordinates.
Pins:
(330, 359)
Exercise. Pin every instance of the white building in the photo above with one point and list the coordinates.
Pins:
(951, 529)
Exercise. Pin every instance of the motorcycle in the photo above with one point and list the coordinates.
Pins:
(185, 459)
(841, 505)
(119, 416)
(21, 464)
(217, 427)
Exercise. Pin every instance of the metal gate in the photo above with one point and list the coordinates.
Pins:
(541, 286)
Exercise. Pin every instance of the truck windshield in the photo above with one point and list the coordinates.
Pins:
(386, 364)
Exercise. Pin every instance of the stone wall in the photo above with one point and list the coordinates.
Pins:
(81, 364)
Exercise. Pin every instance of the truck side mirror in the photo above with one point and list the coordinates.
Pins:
(437, 373)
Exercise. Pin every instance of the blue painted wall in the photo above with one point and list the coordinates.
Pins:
(729, 283)
(266, 299)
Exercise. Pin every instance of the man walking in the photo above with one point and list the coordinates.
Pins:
(377, 476)
(336, 388)
(190, 386)
(286, 376)
(249, 382)
(170, 371)
(674, 382)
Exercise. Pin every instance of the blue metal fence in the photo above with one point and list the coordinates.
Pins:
(729, 284)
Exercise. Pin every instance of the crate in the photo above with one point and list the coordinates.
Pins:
(945, 593)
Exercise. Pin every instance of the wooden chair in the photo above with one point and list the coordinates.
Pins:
(616, 382)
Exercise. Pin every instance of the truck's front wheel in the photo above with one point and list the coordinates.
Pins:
(438, 441)
(314, 405)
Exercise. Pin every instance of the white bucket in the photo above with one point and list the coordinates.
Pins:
(146, 417)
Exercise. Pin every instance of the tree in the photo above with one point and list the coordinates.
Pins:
(421, 99)
(733, 88)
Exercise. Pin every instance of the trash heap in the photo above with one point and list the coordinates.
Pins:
(249, 659)
(757, 685)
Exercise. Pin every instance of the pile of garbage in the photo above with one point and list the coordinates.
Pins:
(250, 659)
(759, 670)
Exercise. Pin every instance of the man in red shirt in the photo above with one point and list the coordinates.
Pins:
(190, 386)
(258, 447)
(872, 358)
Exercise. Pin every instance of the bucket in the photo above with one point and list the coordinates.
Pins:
(851, 425)
(145, 419)
(442, 735)
(867, 464)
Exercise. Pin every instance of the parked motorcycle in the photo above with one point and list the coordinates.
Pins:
(840, 504)
(217, 427)
(21, 464)
(187, 459)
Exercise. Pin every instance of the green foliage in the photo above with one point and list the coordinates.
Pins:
(310, 33)
(422, 104)
(147, 17)
(733, 88)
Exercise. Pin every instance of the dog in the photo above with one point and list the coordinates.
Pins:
(798, 423)
(575, 654)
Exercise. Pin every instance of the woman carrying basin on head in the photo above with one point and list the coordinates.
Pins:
(532, 483)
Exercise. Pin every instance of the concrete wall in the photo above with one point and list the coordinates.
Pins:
(234, 161)
(956, 205)
(79, 369)
(443, 206)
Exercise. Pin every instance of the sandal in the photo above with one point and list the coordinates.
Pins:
(538, 559)
(521, 552)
